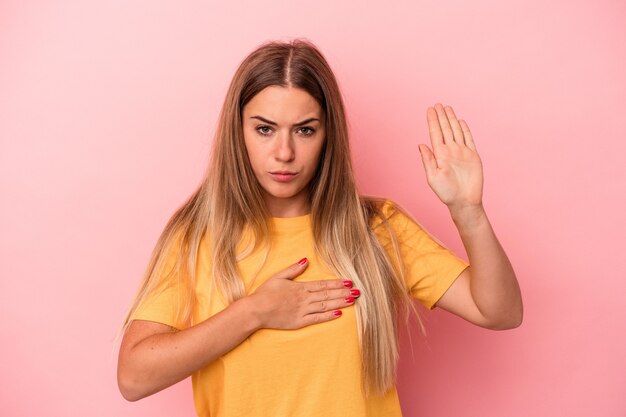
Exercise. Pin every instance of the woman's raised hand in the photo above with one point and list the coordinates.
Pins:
(453, 168)
(282, 303)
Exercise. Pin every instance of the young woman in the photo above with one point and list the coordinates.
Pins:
(225, 299)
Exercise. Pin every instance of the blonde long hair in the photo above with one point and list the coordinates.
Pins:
(229, 197)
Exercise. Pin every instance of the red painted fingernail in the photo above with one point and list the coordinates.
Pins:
(337, 313)
(302, 261)
(355, 292)
(347, 284)
(349, 300)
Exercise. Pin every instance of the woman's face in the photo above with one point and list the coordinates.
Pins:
(283, 129)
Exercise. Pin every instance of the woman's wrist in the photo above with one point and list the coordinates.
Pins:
(468, 218)
(249, 309)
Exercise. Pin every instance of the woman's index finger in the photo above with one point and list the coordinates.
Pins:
(434, 128)
(324, 284)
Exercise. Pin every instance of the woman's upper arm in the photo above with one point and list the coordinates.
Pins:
(140, 330)
(458, 300)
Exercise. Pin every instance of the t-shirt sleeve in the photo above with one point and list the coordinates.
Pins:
(430, 267)
(162, 304)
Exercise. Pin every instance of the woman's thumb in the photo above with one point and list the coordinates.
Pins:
(294, 270)
(428, 159)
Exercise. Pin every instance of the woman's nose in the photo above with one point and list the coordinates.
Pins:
(284, 148)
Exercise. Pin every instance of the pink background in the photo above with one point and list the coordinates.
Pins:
(107, 111)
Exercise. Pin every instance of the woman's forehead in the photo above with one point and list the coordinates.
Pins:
(283, 105)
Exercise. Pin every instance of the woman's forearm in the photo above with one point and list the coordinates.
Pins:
(163, 359)
(494, 287)
(153, 358)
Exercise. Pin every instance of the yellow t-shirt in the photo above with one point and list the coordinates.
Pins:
(314, 371)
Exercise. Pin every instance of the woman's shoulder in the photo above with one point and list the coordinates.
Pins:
(383, 210)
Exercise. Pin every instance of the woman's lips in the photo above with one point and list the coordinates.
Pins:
(284, 176)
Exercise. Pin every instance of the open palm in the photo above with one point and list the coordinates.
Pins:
(453, 168)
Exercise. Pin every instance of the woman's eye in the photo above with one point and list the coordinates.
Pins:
(307, 131)
(264, 130)
(267, 130)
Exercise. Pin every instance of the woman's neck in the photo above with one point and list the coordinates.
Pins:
(285, 207)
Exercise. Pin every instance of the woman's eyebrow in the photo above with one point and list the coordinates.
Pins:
(269, 122)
